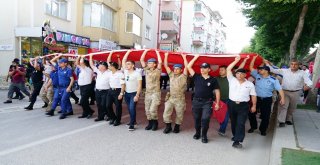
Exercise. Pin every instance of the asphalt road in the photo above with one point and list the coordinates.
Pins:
(29, 137)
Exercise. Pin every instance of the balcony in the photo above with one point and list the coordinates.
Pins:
(198, 29)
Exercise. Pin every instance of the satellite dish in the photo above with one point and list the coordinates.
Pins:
(164, 35)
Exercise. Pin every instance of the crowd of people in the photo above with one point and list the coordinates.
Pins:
(108, 83)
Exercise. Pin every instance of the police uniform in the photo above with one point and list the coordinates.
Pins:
(152, 95)
(264, 88)
(55, 85)
(175, 99)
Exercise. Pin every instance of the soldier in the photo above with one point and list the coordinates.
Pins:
(153, 95)
(176, 97)
(46, 93)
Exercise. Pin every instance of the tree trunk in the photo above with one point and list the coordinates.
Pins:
(298, 31)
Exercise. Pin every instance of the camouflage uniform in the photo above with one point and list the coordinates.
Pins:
(152, 95)
(175, 98)
(47, 96)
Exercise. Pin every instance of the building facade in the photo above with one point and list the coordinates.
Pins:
(202, 29)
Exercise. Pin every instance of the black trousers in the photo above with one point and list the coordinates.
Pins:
(101, 98)
(164, 82)
(92, 94)
(202, 111)
(113, 99)
(36, 91)
(264, 105)
(238, 114)
(74, 96)
(85, 92)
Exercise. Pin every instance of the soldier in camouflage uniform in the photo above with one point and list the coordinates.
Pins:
(152, 95)
(176, 97)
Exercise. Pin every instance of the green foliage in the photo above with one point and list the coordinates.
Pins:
(276, 21)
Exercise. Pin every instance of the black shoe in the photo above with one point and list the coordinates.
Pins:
(196, 136)
(98, 119)
(112, 122)
(263, 134)
(50, 113)
(63, 116)
(21, 97)
(82, 116)
(232, 139)
(282, 124)
(289, 123)
(176, 128)
(28, 108)
(131, 128)
(149, 126)
(155, 125)
(90, 115)
(8, 101)
(236, 145)
(251, 130)
(76, 101)
(108, 119)
(15, 97)
(135, 124)
(69, 113)
(60, 111)
(168, 128)
(204, 139)
(45, 105)
(116, 123)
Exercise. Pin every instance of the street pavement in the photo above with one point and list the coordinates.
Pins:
(30, 137)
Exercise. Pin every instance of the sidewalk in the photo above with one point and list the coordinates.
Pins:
(303, 135)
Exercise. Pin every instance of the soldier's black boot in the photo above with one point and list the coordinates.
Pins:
(149, 126)
(168, 128)
(197, 135)
(176, 128)
(155, 125)
(204, 135)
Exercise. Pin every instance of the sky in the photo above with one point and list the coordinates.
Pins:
(238, 33)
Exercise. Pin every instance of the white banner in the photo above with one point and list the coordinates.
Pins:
(106, 45)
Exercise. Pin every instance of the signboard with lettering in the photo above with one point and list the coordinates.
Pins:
(6, 47)
(72, 39)
(167, 47)
(106, 45)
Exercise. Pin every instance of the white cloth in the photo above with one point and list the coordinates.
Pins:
(132, 81)
(293, 80)
(47, 70)
(240, 92)
(116, 79)
(102, 81)
(85, 76)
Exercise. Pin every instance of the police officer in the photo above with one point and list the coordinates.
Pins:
(153, 95)
(54, 84)
(65, 84)
(37, 77)
(202, 101)
(265, 85)
(176, 97)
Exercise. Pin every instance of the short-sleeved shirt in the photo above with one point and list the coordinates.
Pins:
(152, 79)
(85, 76)
(116, 79)
(224, 87)
(265, 86)
(204, 88)
(17, 77)
(132, 80)
(54, 78)
(64, 76)
(102, 81)
(178, 84)
(37, 75)
(240, 92)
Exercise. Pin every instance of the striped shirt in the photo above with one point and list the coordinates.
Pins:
(292, 80)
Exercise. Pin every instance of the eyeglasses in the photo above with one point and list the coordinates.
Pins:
(127, 78)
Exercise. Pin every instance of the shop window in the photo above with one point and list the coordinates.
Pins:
(167, 15)
(133, 24)
(58, 8)
(98, 15)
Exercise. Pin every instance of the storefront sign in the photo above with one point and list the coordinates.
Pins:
(6, 47)
(167, 47)
(106, 45)
(73, 50)
(72, 39)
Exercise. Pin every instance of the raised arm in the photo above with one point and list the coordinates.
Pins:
(189, 66)
(143, 63)
(125, 58)
(252, 63)
(109, 58)
(77, 62)
(243, 63)
(91, 62)
(35, 64)
(276, 71)
(119, 61)
(166, 63)
(229, 68)
(185, 62)
(53, 61)
(159, 60)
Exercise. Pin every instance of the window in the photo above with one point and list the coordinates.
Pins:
(149, 6)
(167, 15)
(147, 33)
(197, 7)
(98, 15)
(57, 8)
(133, 24)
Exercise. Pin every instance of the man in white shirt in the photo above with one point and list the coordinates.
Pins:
(102, 88)
(240, 91)
(293, 81)
(115, 95)
(84, 81)
(133, 86)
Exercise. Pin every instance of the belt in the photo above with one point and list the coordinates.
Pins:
(115, 89)
(201, 99)
(101, 90)
(291, 90)
(239, 102)
(262, 98)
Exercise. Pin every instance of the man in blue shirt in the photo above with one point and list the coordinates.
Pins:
(265, 85)
(54, 82)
